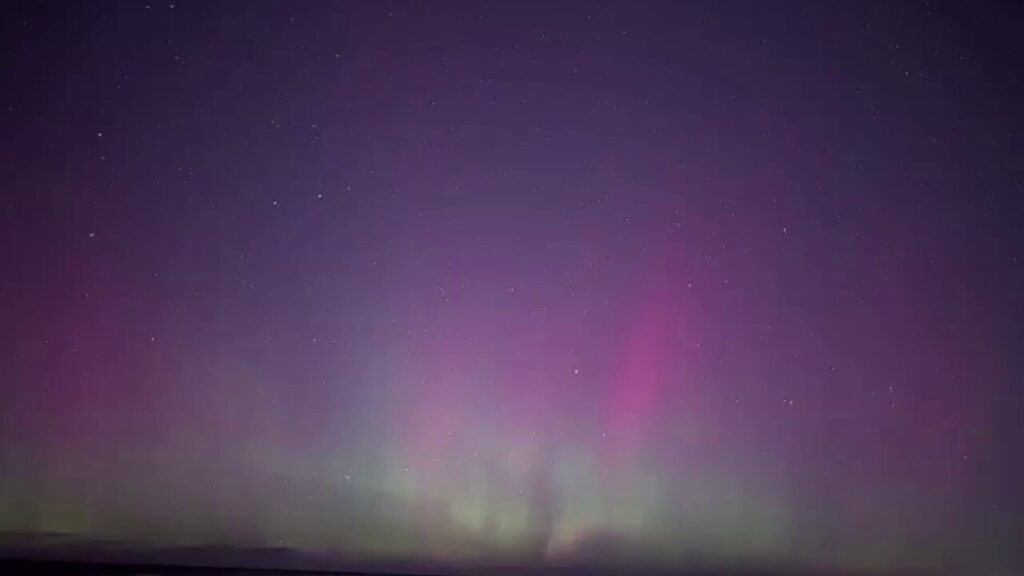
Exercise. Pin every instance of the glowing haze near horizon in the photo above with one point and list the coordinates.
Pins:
(503, 284)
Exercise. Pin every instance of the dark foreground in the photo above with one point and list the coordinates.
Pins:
(19, 566)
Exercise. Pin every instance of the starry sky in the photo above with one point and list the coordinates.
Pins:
(482, 284)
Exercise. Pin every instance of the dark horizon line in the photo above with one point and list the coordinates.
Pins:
(23, 562)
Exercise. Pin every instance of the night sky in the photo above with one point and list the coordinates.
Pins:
(513, 284)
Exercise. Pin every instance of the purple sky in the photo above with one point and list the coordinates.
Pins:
(516, 284)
